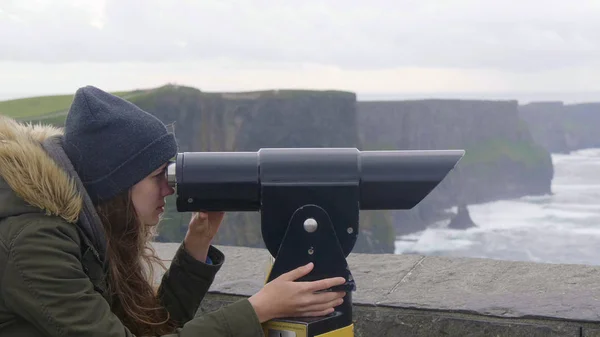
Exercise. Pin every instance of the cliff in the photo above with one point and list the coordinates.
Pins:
(562, 128)
(545, 120)
(249, 121)
(502, 161)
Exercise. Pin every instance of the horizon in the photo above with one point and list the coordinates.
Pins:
(520, 97)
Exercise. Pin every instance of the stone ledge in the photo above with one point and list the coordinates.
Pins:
(424, 293)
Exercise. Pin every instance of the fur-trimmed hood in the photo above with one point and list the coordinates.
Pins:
(30, 180)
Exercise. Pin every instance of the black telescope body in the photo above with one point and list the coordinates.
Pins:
(309, 199)
(248, 181)
(232, 181)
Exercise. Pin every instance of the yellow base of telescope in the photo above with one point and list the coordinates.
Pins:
(309, 201)
(285, 328)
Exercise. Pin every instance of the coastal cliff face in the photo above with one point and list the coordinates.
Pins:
(249, 121)
(502, 161)
(254, 120)
(545, 120)
(562, 128)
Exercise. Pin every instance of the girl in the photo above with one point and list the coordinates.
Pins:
(77, 211)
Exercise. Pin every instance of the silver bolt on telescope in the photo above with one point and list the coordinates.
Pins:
(309, 200)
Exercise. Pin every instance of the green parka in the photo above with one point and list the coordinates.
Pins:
(52, 281)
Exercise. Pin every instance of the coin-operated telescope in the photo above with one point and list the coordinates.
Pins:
(309, 201)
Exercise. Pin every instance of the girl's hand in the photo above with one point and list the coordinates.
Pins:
(284, 297)
(202, 229)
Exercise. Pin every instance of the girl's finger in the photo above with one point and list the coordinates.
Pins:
(317, 313)
(323, 306)
(326, 297)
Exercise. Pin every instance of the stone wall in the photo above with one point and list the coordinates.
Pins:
(413, 295)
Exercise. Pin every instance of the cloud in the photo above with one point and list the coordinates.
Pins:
(351, 34)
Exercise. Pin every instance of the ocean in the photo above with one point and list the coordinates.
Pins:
(560, 228)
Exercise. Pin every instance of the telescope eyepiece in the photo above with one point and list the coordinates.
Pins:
(171, 174)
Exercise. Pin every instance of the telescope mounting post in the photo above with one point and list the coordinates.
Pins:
(316, 224)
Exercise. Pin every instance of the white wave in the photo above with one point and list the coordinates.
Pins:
(586, 231)
(591, 153)
(560, 228)
(566, 214)
(535, 198)
(433, 240)
(577, 206)
(566, 186)
(579, 154)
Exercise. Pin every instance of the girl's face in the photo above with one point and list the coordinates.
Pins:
(149, 195)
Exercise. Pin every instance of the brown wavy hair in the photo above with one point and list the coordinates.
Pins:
(131, 289)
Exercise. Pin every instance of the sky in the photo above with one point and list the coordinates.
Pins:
(527, 50)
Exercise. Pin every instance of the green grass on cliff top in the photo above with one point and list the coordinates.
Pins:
(53, 109)
(32, 107)
(275, 93)
(530, 154)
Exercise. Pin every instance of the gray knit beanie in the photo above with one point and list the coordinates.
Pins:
(112, 143)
